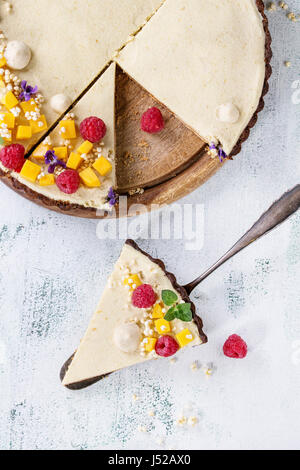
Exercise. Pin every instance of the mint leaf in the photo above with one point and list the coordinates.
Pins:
(169, 297)
(184, 312)
(171, 314)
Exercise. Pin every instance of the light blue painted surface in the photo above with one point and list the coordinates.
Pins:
(52, 271)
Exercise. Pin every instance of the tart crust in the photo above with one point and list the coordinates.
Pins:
(88, 212)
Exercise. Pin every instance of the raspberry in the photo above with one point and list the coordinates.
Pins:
(152, 121)
(235, 347)
(166, 346)
(12, 157)
(143, 296)
(92, 129)
(68, 181)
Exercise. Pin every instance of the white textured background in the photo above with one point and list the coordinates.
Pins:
(52, 271)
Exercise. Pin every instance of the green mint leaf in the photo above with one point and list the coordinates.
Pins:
(184, 312)
(171, 314)
(169, 297)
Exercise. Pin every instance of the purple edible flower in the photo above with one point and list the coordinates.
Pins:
(212, 146)
(222, 155)
(112, 197)
(28, 91)
(52, 160)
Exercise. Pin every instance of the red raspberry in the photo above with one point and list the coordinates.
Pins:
(143, 296)
(92, 129)
(235, 347)
(68, 181)
(152, 121)
(12, 157)
(166, 346)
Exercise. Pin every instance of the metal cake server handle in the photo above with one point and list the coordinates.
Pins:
(287, 205)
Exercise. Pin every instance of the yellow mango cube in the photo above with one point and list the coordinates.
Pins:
(133, 281)
(47, 180)
(86, 147)
(2, 84)
(184, 337)
(8, 119)
(30, 171)
(9, 100)
(24, 133)
(61, 152)
(74, 161)
(103, 166)
(40, 151)
(157, 311)
(162, 326)
(2, 61)
(150, 344)
(40, 125)
(68, 129)
(29, 106)
(89, 178)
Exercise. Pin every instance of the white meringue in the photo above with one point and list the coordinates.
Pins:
(127, 337)
(228, 112)
(60, 103)
(17, 54)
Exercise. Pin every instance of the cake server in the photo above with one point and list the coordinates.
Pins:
(280, 210)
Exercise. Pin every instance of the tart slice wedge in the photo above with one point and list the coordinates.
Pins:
(143, 314)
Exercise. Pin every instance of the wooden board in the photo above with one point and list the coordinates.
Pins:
(144, 160)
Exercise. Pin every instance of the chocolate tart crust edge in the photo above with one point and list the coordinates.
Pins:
(78, 210)
(182, 292)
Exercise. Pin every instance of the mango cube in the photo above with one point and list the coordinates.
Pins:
(47, 180)
(184, 337)
(8, 119)
(86, 147)
(40, 125)
(2, 61)
(89, 178)
(74, 161)
(68, 129)
(162, 326)
(2, 84)
(30, 171)
(157, 311)
(133, 281)
(24, 133)
(103, 166)
(29, 106)
(61, 152)
(149, 345)
(9, 100)
(40, 151)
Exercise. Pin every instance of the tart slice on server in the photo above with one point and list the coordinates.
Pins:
(143, 314)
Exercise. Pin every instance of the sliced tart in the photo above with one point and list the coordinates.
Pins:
(198, 70)
(143, 314)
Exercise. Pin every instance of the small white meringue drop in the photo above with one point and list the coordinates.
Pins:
(17, 55)
(127, 337)
(60, 103)
(228, 113)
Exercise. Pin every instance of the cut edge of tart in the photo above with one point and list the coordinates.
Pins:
(121, 334)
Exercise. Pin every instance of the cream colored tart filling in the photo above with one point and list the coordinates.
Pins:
(197, 55)
(71, 40)
(119, 334)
